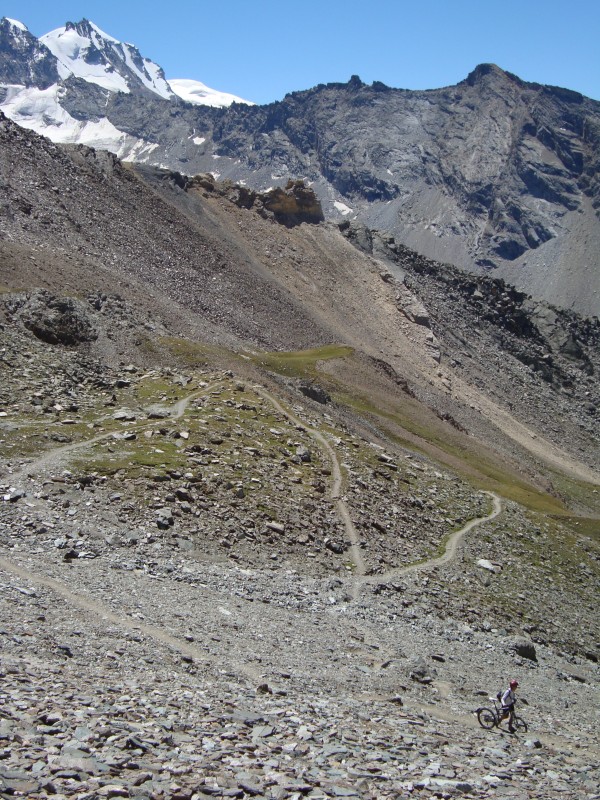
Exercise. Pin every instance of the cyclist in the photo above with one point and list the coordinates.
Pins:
(508, 700)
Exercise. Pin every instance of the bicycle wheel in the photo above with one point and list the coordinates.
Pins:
(486, 718)
(520, 725)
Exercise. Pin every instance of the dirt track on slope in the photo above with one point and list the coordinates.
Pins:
(95, 608)
(54, 456)
(359, 578)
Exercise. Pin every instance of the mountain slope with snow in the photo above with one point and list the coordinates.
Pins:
(199, 94)
(43, 86)
(84, 51)
(34, 73)
(24, 60)
(494, 175)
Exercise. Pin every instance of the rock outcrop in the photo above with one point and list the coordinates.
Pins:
(290, 206)
(293, 204)
(55, 320)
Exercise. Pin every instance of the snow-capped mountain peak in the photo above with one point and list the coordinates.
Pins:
(16, 24)
(43, 88)
(82, 49)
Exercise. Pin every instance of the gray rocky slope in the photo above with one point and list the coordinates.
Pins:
(491, 174)
(236, 557)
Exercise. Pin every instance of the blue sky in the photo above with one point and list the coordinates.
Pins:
(263, 49)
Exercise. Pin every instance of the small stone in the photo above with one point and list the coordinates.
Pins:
(276, 526)
(164, 518)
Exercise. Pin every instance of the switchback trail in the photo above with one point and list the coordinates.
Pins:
(447, 556)
(94, 607)
(360, 579)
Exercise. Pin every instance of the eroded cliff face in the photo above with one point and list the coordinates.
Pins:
(291, 205)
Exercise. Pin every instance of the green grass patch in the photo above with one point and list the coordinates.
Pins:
(192, 354)
(584, 495)
(300, 363)
(34, 438)
(492, 476)
(153, 390)
(148, 346)
(138, 457)
(581, 526)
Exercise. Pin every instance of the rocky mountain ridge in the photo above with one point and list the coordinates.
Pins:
(493, 174)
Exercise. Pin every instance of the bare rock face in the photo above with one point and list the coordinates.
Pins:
(55, 320)
(24, 60)
(294, 204)
(314, 392)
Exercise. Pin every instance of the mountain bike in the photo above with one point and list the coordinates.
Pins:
(492, 718)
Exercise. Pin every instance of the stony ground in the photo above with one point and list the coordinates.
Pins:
(194, 608)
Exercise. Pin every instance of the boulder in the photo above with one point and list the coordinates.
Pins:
(524, 648)
(56, 320)
(314, 392)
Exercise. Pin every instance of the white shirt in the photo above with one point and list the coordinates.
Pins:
(508, 698)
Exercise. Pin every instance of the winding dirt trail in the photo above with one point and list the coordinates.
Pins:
(360, 579)
(55, 455)
(336, 484)
(447, 556)
(99, 611)
(93, 606)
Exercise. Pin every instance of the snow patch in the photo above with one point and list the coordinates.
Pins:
(150, 76)
(103, 35)
(140, 151)
(71, 50)
(199, 94)
(198, 140)
(159, 83)
(342, 207)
